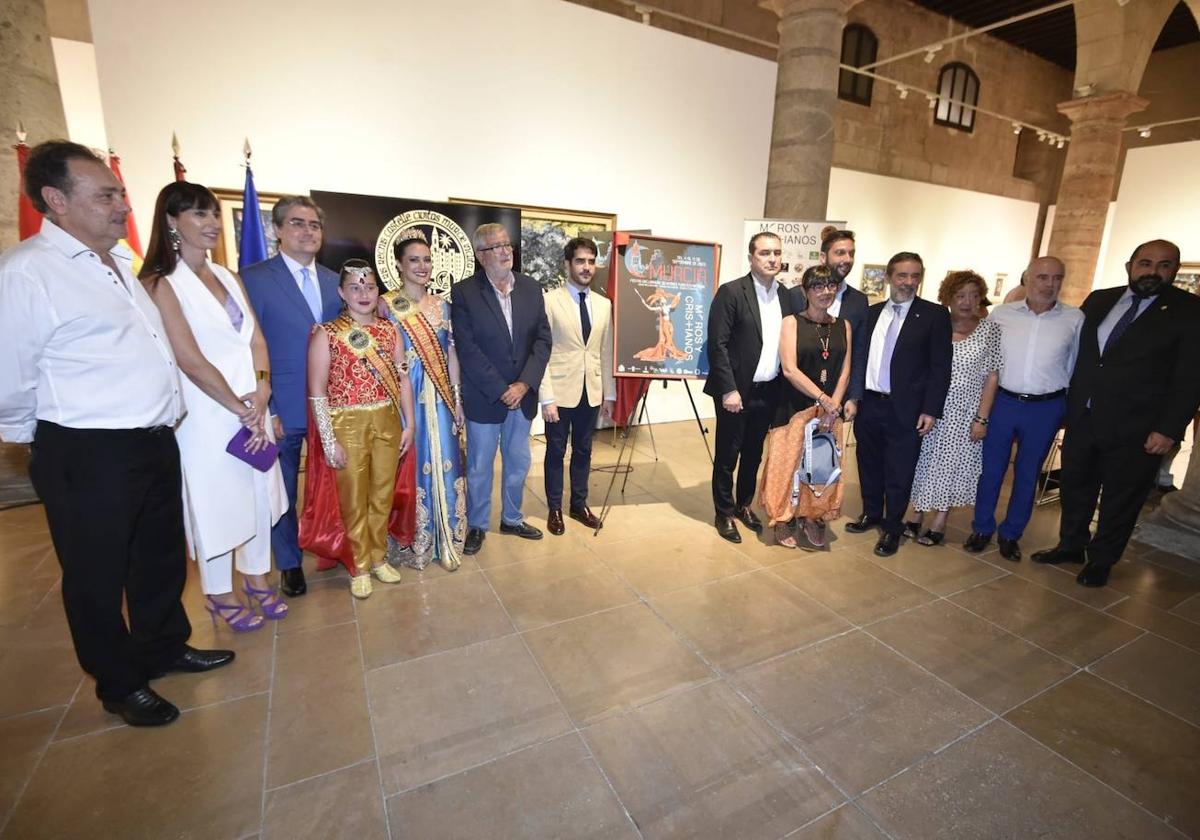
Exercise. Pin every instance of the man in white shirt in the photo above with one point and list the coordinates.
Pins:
(1040, 339)
(88, 378)
(581, 361)
(743, 379)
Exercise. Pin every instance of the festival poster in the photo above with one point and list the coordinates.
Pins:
(662, 290)
(801, 244)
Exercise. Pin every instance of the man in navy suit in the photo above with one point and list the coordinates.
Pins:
(837, 252)
(290, 293)
(502, 339)
(905, 380)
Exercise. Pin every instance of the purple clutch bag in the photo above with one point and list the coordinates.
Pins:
(260, 460)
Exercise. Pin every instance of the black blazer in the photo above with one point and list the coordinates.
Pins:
(735, 337)
(1147, 381)
(854, 311)
(920, 362)
(489, 358)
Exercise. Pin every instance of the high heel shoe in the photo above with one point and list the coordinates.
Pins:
(272, 606)
(229, 612)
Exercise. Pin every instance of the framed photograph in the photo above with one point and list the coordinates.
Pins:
(998, 288)
(226, 252)
(874, 282)
(1188, 277)
(544, 233)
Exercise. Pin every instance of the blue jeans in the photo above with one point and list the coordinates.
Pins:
(512, 437)
(284, 540)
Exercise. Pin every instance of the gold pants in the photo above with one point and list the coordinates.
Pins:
(370, 435)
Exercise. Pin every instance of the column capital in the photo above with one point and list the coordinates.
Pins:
(788, 8)
(1114, 107)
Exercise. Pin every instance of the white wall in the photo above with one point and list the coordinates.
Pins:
(79, 87)
(1159, 198)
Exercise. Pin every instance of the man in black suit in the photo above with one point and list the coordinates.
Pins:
(1134, 390)
(502, 339)
(837, 252)
(904, 385)
(743, 378)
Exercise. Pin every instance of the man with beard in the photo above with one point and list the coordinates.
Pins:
(579, 374)
(837, 252)
(1134, 390)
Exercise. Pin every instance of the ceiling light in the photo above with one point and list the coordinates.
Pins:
(932, 99)
(1085, 90)
(1062, 141)
(931, 52)
(903, 91)
(1122, 2)
(1144, 133)
(1016, 128)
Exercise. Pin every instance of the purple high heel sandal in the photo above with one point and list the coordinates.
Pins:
(249, 621)
(272, 606)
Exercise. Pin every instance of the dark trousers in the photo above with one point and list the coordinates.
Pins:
(1121, 477)
(1033, 426)
(739, 444)
(114, 502)
(579, 423)
(285, 539)
(887, 461)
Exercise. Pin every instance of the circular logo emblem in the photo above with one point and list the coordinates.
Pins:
(453, 256)
(400, 304)
(359, 340)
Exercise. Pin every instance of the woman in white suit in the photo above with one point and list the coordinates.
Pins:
(229, 505)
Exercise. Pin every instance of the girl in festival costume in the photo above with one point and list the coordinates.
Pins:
(423, 323)
(358, 392)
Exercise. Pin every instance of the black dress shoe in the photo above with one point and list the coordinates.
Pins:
(749, 519)
(291, 582)
(1058, 554)
(727, 529)
(863, 524)
(474, 541)
(1009, 549)
(522, 529)
(555, 524)
(888, 545)
(1093, 575)
(584, 514)
(193, 661)
(977, 542)
(143, 708)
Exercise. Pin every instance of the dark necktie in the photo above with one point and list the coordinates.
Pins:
(1123, 324)
(584, 320)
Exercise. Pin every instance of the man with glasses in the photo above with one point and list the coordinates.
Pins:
(502, 339)
(290, 293)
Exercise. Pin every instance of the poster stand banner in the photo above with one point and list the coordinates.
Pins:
(661, 290)
(801, 244)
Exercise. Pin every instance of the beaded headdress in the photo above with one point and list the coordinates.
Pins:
(409, 234)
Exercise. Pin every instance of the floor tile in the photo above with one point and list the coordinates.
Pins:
(1158, 671)
(1189, 609)
(856, 589)
(23, 739)
(557, 587)
(846, 823)
(991, 666)
(997, 783)
(1169, 625)
(345, 805)
(405, 622)
(1062, 580)
(748, 618)
(37, 670)
(673, 561)
(1158, 585)
(326, 603)
(444, 713)
(553, 790)
(604, 663)
(859, 711)
(940, 569)
(1148, 755)
(319, 719)
(701, 764)
(1064, 627)
(136, 783)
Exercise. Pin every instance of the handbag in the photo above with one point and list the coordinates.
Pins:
(262, 460)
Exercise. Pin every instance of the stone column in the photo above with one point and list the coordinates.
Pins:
(810, 46)
(1089, 175)
(29, 94)
(1175, 525)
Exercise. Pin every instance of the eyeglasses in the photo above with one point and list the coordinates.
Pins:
(359, 288)
(300, 224)
(501, 246)
(822, 285)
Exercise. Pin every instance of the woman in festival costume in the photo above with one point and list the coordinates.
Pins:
(814, 353)
(358, 391)
(661, 303)
(423, 322)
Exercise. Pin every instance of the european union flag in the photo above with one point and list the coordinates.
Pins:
(252, 247)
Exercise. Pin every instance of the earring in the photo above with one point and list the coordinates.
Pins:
(174, 238)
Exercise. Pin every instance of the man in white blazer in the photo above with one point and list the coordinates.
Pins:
(578, 376)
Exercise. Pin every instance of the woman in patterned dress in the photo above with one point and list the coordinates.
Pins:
(952, 454)
(422, 321)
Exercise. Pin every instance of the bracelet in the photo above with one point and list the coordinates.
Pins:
(262, 375)
(982, 421)
(320, 407)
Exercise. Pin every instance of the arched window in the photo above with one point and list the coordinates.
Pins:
(958, 94)
(859, 46)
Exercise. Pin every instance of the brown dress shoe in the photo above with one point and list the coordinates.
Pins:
(555, 524)
(584, 514)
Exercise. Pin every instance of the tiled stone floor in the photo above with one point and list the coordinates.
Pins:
(651, 682)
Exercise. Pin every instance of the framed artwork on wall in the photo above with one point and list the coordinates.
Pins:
(226, 252)
(874, 282)
(544, 232)
(1188, 277)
